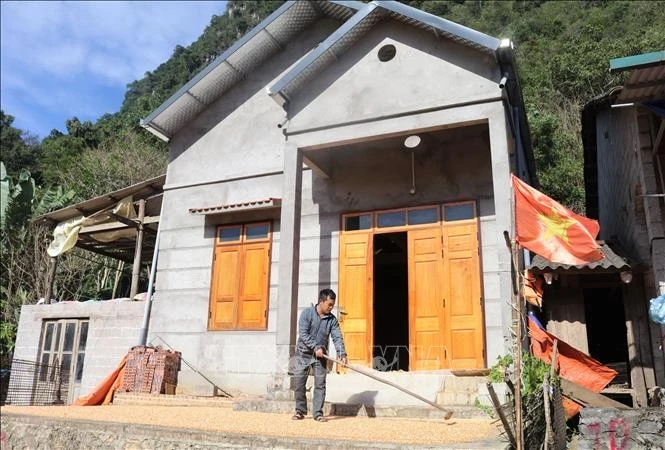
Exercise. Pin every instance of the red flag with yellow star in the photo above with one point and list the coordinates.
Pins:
(552, 231)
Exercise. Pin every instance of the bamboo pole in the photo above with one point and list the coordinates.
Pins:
(50, 280)
(136, 269)
(546, 404)
(519, 425)
(118, 272)
(502, 415)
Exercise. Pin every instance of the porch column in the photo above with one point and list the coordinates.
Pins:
(499, 340)
(289, 253)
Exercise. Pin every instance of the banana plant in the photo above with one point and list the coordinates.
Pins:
(16, 197)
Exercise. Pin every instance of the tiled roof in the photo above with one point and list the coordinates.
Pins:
(233, 207)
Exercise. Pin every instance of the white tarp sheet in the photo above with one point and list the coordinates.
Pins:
(66, 233)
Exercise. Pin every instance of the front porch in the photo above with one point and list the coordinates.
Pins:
(363, 172)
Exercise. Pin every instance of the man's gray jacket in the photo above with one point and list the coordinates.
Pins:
(314, 332)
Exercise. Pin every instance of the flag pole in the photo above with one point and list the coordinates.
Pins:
(516, 307)
(517, 292)
(519, 423)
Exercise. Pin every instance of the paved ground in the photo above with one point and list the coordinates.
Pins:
(225, 419)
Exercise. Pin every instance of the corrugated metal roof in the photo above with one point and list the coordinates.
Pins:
(644, 85)
(647, 77)
(637, 61)
(142, 190)
(123, 248)
(234, 207)
(610, 263)
(244, 56)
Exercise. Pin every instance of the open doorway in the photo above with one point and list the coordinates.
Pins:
(391, 302)
(606, 330)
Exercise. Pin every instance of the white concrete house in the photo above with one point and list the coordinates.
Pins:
(365, 147)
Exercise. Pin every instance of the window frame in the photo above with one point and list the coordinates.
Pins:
(56, 348)
(242, 245)
(474, 208)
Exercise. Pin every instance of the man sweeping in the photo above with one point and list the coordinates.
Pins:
(315, 328)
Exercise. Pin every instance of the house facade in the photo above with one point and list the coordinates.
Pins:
(365, 147)
(624, 154)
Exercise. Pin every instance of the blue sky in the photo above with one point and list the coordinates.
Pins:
(65, 59)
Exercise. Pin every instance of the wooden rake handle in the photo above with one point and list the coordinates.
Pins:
(448, 412)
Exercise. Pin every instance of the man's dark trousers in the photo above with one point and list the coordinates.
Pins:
(301, 370)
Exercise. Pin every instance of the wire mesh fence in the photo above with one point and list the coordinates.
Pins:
(27, 383)
(535, 419)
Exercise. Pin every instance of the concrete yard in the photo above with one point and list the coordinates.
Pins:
(221, 426)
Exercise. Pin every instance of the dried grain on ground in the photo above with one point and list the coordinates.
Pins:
(377, 429)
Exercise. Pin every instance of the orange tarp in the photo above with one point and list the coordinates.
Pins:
(573, 364)
(102, 394)
(533, 288)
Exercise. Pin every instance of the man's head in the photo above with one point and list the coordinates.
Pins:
(326, 300)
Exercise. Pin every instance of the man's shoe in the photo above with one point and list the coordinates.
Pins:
(320, 419)
(298, 416)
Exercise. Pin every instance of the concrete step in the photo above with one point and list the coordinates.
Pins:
(260, 404)
(349, 409)
(130, 398)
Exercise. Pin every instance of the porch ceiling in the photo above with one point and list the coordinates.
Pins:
(327, 160)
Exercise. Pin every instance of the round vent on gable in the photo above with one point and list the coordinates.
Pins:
(387, 52)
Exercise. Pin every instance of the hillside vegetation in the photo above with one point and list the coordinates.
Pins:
(562, 49)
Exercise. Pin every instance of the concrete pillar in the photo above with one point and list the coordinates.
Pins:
(289, 253)
(503, 207)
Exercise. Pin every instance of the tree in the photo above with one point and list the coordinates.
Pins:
(20, 150)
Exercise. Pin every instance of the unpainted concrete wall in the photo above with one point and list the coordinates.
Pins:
(426, 72)
(232, 153)
(113, 329)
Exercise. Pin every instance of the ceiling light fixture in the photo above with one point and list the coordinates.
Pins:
(411, 142)
(626, 276)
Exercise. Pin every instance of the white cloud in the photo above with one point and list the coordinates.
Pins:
(60, 37)
(108, 43)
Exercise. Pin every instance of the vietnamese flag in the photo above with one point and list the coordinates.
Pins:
(552, 231)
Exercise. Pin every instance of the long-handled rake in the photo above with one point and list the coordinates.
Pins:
(448, 412)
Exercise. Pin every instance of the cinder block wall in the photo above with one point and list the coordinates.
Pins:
(113, 330)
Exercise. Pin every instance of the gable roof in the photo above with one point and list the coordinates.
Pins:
(273, 33)
(358, 25)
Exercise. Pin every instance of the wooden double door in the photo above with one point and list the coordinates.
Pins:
(445, 314)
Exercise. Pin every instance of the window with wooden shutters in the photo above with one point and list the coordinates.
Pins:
(240, 277)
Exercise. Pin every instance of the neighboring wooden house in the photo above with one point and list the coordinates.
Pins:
(602, 308)
(365, 147)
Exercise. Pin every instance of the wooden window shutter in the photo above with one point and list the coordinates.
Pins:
(225, 280)
(240, 278)
(253, 286)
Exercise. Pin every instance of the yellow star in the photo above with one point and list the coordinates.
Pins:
(555, 225)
